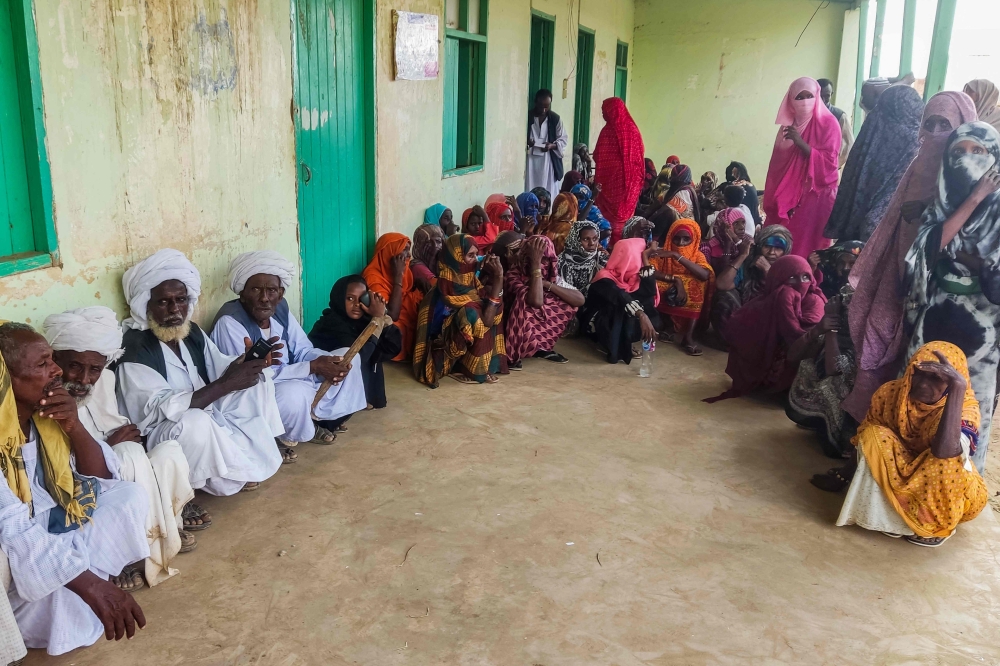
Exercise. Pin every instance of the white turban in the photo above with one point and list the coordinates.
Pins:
(262, 262)
(93, 329)
(150, 273)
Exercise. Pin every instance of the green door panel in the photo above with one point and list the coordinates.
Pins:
(584, 85)
(15, 206)
(334, 143)
(540, 65)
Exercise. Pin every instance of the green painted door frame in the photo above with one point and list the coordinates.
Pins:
(621, 70)
(543, 31)
(334, 114)
(880, 7)
(937, 68)
(584, 85)
(909, 28)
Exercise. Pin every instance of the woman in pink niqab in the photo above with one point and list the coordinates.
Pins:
(802, 177)
(876, 311)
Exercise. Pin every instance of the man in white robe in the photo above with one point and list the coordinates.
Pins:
(175, 384)
(547, 141)
(61, 547)
(84, 342)
(260, 279)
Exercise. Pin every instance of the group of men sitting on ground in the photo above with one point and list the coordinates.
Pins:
(101, 466)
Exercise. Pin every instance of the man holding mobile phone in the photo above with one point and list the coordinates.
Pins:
(261, 316)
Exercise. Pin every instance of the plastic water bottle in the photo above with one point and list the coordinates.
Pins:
(646, 369)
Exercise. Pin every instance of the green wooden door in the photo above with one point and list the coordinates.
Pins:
(621, 71)
(540, 66)
(15, 205)
(334, 143)
(584, 84)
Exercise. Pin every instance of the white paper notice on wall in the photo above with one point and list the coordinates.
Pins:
(416, 56)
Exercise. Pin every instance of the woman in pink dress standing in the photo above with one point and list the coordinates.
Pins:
(802, 177)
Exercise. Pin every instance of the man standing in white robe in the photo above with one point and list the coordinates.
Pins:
(61, 547)
(547, 141)
(84, 342)
(175, 384)
(260, 279)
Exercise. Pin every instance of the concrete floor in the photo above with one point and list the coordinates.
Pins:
(569, 515)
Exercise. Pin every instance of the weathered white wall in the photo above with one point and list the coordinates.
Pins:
(410, 112)
(168, 125)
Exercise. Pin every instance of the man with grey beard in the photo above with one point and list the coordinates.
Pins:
(175, 384)
(84, 342)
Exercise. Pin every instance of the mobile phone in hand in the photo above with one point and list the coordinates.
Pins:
(259, 350)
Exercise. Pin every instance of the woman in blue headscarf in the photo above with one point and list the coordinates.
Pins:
(441, 215)
(529, 206)
(589, 211)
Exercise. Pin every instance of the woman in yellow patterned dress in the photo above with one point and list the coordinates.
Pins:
(914, 477)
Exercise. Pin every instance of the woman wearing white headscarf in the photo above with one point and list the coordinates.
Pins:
(260, 279)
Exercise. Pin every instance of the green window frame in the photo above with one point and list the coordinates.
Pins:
(543, 36)
(463, 148)
(621, 70)
(29, 241)
(584, 85)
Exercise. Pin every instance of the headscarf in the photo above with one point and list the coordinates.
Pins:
(752, 279)
(744, 176)
(986, 96)
(77, 500)
(876, 311)
(887, 143)
(680, 180)
(267, 262)
(651, 173)
(151, 272)
(790, 174)
(544, 200)
(694, 287)
(487, 232)
(584, 195)
(570, 179)
(624, 264)
(497, 197)
(90, 329)
(759, 332)
(561, 219)
(458, 284)
(979, 236)
(672, 160)
(832, 281)
(632, 227)
(897, 469)
(720, 245)
(433, 214)
(620, 156)
(423, 250)
(494, 209)
(576, 265)
(507, 244)
(661, 185)
(334, 327)
(528, 203)
(713, 182)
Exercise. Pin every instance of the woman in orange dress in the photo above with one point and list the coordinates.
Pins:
(388, 274)
(915, 477)
(682, 260)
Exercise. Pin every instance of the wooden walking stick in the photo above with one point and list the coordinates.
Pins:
(374, 327)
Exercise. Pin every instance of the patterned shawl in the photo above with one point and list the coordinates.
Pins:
(576, 265)
(559, 223)
(621, 168)
(695, 288)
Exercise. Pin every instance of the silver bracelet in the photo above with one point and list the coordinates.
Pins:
(633, 308)
(646, 271)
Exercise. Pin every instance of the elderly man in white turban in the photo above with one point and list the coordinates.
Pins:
(84, 342)
(261, 311)
(175, 384)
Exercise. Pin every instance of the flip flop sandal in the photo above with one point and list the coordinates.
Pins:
(129, 575)
(250, 486)
(553, 356)
(832, 482)
(636, 354)
(462, 379)
(342, 428)
(666, 337)
(194, 512)
(188, 541)
(927, 542)
(288, 456)
(692, 350)
(324, 436)
(492, 379)
(286, 442)
(515, 367)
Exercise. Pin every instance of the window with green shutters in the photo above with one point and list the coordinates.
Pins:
(543, 31)
(584, 85)
(27, 236)
(464, 144)
(621, 71)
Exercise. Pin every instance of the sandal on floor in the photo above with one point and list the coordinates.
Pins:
(515, 367)
(188, 541)
(250, 486)
(927, 542)
(692, 350)
(492, 379)
(342, 428)
(893, 535)
(286, 442)
(666, 337)
(553, 356)
(462, 379)
(288, 456)
(129, 580)
(195, 518)
(833, 481)
(324, 436)
(636, 354)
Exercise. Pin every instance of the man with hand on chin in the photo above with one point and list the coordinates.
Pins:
(175, 384)
(66, 522)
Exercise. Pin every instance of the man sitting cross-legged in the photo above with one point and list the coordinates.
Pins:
(260, 279)
(175, 384)
(66, 522)
(84, 342)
